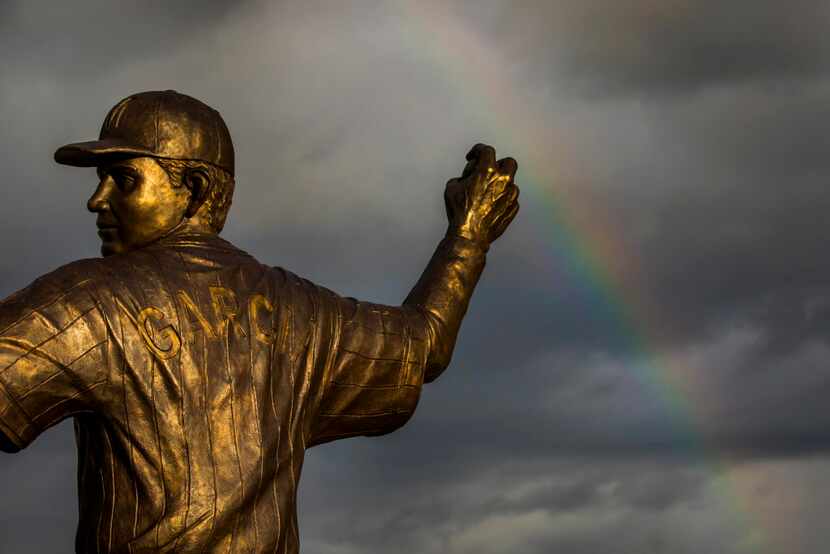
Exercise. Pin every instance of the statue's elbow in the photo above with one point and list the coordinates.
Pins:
(442, 344)
(437, 364)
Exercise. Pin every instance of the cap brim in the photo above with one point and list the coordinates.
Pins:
(88, 154)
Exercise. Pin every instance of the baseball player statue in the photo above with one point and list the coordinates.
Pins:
(197, 376)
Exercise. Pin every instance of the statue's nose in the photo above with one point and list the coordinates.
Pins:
(98, 201)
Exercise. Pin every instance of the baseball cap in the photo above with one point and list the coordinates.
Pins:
(161, 124)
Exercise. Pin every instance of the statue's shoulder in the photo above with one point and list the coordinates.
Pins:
(74, 274)
(72, 284)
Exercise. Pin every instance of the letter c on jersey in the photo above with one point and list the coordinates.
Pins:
(256, 302)
(172, 338)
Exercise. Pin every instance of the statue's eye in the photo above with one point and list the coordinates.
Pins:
(123, 180)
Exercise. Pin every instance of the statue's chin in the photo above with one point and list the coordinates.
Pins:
(109, 248)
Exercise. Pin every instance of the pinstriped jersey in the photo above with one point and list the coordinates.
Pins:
(197, 377)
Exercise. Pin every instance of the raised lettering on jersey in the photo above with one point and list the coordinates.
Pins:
(226, 309)
(168, 333)
(256, 302)
(191, 306)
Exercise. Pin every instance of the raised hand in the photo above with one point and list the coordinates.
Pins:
(484, 200)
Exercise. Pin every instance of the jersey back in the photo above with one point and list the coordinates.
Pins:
(197, 378)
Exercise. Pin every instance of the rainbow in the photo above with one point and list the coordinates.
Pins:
(585, 235)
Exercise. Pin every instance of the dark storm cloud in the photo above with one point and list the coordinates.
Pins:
(39, 513)
(745, 212)
(671, 46)
(575, 418)
(81, 39)
(555, 506)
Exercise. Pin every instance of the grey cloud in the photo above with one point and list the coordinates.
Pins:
(606, 47)
(705, 172)
(563, 505)
(745, 212)
(39, 506)
(88, 38)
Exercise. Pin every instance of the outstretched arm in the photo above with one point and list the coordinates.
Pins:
(379, 356)
(480, 205)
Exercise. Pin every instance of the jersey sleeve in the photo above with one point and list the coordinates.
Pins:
(374, 358)
(52, 354)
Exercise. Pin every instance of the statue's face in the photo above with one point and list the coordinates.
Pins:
(136, 204)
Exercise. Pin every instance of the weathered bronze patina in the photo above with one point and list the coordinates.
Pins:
(196, 375)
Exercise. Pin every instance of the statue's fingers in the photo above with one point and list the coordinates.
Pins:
(456, 197)
(481, 150)
(500, 183)
(453, 188)
(514, 209)
(514, 191)
(483, 157)
(505, 202)
(505, 218)
(502, 204)
(500, 179)
(507, 166)
(469, 168)
(474, 157)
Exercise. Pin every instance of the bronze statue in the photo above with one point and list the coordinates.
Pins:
(197, 376)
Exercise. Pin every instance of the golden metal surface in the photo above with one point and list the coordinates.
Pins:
(197, 376)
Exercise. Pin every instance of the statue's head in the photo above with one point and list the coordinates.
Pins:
(165, 162)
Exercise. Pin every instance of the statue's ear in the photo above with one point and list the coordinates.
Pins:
(198, 183)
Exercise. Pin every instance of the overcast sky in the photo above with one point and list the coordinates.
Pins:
(644, 366)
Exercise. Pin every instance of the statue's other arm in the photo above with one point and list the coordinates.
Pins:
(54, 345)
(480, 205)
